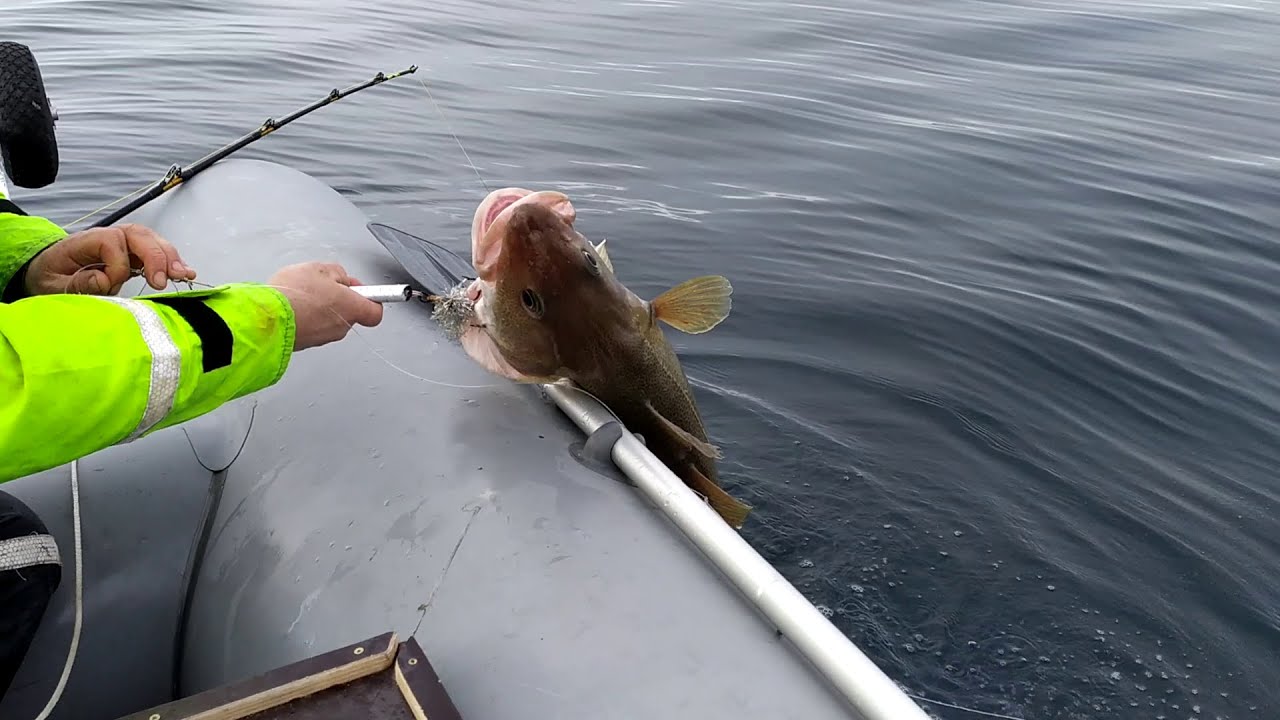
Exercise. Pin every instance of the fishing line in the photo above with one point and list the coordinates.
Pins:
(110, 205)
(960, 707)
(455, 135)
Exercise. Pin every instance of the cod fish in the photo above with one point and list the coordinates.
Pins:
(547, 306)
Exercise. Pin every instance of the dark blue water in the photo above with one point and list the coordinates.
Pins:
(1001, 373)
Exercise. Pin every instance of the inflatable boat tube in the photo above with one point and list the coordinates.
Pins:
(545, 574)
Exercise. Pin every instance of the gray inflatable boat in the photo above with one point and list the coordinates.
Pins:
(544, 560)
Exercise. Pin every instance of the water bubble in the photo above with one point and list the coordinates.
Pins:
(1050, 588)
(806, 563)
(958, 533)
(909, 647)
(826, 611)
(856, 588)
(1115, 676)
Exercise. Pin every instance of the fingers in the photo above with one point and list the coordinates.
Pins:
(88, 282)
(359, 309)
(111, 252)
(159, 258)
(365, 311)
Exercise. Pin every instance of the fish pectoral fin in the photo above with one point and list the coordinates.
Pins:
(702, 447)
(733, 511)
(604, 256)
(696, 305)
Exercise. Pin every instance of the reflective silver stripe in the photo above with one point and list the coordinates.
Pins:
(28, 550)
(166, 364)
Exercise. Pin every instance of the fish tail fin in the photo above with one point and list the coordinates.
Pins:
(695, 305)
(733, 511)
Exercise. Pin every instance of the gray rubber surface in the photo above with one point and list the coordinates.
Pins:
(365, 500)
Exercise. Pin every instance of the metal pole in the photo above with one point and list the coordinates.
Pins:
(865, 686)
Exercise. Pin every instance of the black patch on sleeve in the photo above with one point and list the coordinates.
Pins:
(215, 336)
(8, 206)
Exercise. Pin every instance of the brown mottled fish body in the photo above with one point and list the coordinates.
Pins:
(548, 307)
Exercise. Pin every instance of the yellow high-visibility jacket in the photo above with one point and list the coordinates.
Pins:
(79, 373)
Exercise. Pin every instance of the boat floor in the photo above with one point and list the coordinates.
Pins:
(379, 679)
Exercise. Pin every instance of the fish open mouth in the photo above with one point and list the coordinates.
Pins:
(488, 225)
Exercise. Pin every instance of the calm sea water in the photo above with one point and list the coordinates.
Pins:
(1001, 374)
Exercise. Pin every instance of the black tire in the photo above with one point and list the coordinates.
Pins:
(28, 145)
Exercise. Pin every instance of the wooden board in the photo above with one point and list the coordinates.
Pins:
(379, 679)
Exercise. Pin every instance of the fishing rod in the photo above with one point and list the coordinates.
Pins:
(178, 175)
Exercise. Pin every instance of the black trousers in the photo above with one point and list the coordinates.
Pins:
(24, 592)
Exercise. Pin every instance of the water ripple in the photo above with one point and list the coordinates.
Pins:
(1000, 375)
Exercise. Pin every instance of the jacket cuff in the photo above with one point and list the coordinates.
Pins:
(25, 237)
(236, 339)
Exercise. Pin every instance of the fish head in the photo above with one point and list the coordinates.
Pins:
(541, 290)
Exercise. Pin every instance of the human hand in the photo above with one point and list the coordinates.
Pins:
(324, 307)
(99, 261)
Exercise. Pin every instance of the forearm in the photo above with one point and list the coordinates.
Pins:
(81, 373)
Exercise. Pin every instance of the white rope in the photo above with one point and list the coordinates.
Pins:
(75, 633)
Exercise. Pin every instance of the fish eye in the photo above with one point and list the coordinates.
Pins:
(591, 260)
(532, 302)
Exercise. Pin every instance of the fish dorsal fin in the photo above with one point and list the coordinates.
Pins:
(702, 447)
(733, 511)
(604, 256)
(696, 305)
